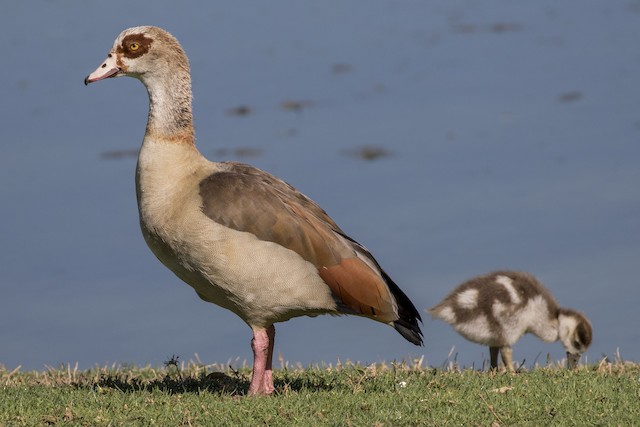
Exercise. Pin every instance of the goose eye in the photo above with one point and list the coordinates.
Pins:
(134, 46)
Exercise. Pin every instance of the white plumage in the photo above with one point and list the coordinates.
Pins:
(498, 308)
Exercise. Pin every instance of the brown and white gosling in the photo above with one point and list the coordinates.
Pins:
(242, 238)
(498, 308)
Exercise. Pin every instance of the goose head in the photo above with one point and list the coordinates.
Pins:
(574, 331)
(141, 52)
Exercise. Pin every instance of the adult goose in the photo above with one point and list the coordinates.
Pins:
(242, 238)
(496, 309)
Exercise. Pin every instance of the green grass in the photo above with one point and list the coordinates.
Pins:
(342, 395)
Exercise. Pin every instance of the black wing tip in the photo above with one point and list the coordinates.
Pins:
(410, 331)
(407, 325)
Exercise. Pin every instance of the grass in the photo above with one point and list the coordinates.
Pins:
(400, 394)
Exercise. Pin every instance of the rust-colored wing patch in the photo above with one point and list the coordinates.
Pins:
(360, 289)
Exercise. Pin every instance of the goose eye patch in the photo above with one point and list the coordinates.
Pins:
(134, 45)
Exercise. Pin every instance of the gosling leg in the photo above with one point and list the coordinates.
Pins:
(493, 353)
(506, 353)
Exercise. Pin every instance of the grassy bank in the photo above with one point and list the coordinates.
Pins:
(381, 395)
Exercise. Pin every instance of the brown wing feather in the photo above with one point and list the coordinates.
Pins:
(360, 289)
(247, 199)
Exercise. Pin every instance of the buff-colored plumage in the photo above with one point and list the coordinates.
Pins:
(243, 239)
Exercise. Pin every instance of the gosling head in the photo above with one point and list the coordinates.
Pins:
(574, 331)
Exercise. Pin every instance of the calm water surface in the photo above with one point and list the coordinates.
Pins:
(512, 134)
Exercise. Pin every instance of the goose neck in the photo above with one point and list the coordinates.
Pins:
(170, 114)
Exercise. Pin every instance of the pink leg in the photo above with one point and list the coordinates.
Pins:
(262, 345)
(268, 373)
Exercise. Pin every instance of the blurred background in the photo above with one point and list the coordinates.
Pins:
(450, 138)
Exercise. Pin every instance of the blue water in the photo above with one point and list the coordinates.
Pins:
(513, 140)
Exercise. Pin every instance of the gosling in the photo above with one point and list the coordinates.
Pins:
(498, 308)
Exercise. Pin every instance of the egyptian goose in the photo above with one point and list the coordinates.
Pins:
(242, 238)
(498, 308)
